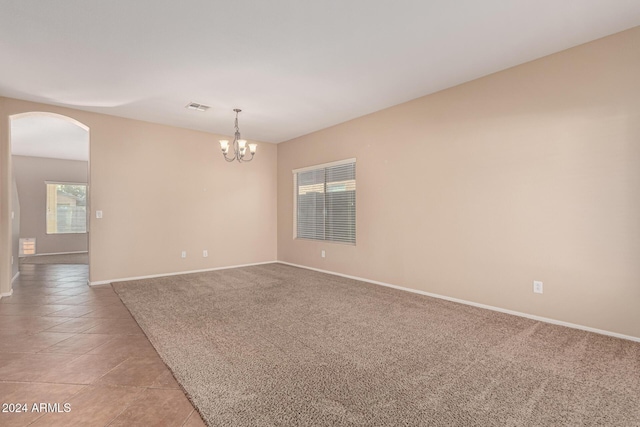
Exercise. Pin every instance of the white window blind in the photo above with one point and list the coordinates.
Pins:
(326, 203)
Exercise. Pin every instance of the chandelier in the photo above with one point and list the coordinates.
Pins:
(239, 146)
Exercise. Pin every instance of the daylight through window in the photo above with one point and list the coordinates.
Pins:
(66, 208)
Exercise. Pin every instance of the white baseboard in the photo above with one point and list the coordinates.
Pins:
(15, 277)
(7, 294)
(153, 276)
(475, 304)
(56, 253)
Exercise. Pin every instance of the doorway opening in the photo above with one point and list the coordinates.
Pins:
(50, 192)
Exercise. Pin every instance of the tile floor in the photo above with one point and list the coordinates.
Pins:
(62, 341)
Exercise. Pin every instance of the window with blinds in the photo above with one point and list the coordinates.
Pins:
(325, 202)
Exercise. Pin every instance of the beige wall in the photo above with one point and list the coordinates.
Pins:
(163, 190)
(5, 202)
(528, 174)
(15, 228)
(31, 174)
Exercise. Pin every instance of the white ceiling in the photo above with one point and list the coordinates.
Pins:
(293, 66)
(41, 135)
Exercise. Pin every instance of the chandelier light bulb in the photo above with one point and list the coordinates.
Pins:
(224, 145)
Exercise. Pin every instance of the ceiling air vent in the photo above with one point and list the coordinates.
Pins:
(196, 106)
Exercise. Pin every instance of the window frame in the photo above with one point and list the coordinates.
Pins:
(46, 206)
(294, 173)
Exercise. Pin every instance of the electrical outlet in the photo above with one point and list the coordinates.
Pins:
(205, 253)
(323, 254)
(184, 254)
(98, 214)
(537, 287)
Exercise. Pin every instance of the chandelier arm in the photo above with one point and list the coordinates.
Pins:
(243, 160)
(228, 159)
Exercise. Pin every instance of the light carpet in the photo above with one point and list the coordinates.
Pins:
(275, 345)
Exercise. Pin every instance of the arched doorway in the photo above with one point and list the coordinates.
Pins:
(50, 190)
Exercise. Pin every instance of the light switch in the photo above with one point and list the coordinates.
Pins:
(98, 214)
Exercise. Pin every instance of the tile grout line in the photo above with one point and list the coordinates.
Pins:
(188, 417)
(67, 399)
(138, 397)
